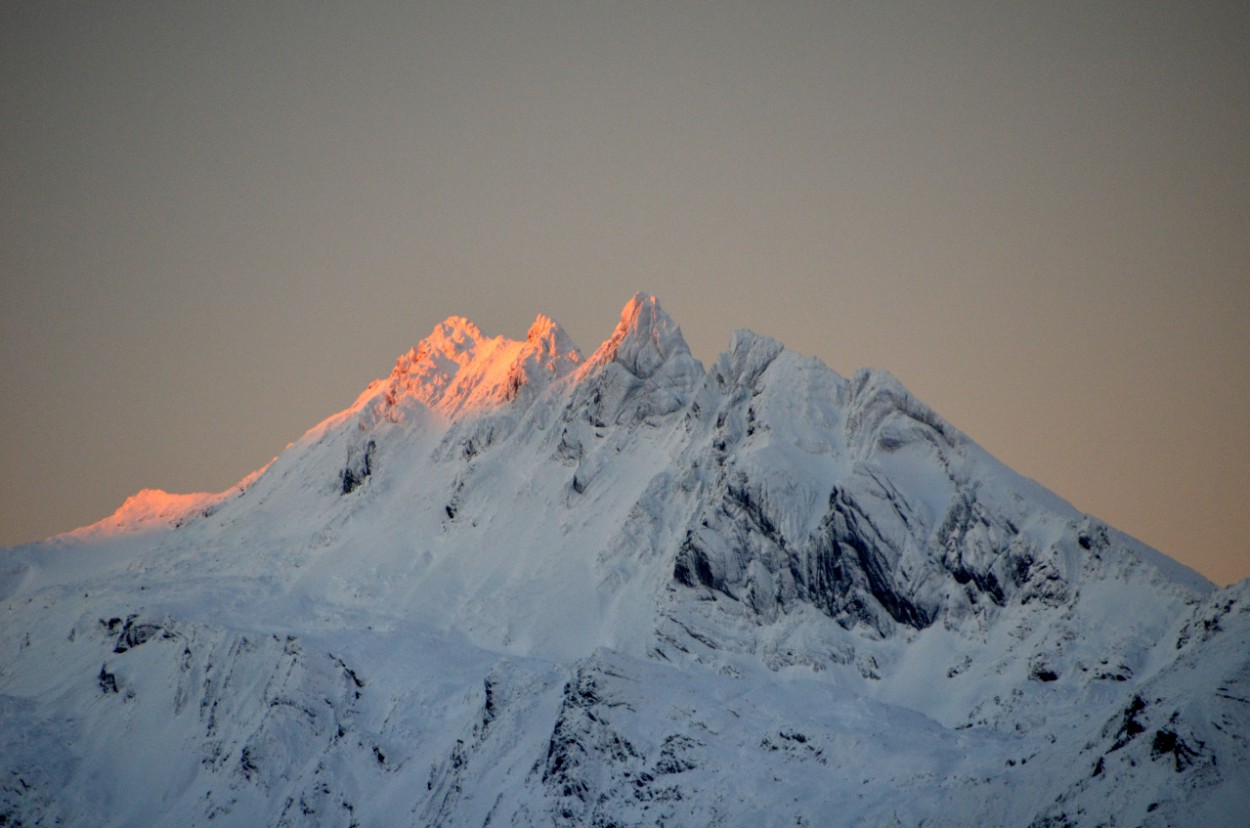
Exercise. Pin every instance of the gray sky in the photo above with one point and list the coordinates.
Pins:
(220, 221)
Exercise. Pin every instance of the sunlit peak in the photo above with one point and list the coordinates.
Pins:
(453, 335)
(544, 327)
(153, 508)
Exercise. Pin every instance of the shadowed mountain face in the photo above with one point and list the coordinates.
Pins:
(513, 584)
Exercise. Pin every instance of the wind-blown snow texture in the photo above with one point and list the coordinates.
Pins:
(514, 586)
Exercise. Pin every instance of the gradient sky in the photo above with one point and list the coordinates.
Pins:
(222, 220)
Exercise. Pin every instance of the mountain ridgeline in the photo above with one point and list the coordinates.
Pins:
(513, 584)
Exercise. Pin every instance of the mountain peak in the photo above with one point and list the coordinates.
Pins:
(454, 334)
(645, 338)
(547, 339)
(544, 327)
(457, 368)
(619, 593)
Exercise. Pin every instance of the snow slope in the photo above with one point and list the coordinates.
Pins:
(513, 585)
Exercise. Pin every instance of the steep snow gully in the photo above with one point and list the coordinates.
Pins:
(515, 585)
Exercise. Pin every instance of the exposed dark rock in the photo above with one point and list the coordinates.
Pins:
(1130, 725)
(134, 634)
(359, 467)
(490, 706)
(581, 742)
(1168, 743)
(692, 567)
(1041, 669)
(675, 756)
(852, 563)
(107, 680)
(247, 764)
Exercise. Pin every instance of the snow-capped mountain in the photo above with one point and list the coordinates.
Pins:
(515, 585)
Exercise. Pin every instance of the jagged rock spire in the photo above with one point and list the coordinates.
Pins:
(644, 339)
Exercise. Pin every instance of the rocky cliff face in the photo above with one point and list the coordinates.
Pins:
(513, 585)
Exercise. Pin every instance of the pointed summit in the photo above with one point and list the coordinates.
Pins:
(644, 370)
(453, 335)
(644, 339)
(546, 353)
(426, 371)
(457, 368)
(546, 339)
(544, 327)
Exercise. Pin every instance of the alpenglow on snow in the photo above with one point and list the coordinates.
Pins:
(513, 584)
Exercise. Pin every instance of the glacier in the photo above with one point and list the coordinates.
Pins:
(513, 584)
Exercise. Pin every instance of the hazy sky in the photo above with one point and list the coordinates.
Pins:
(221, 221)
